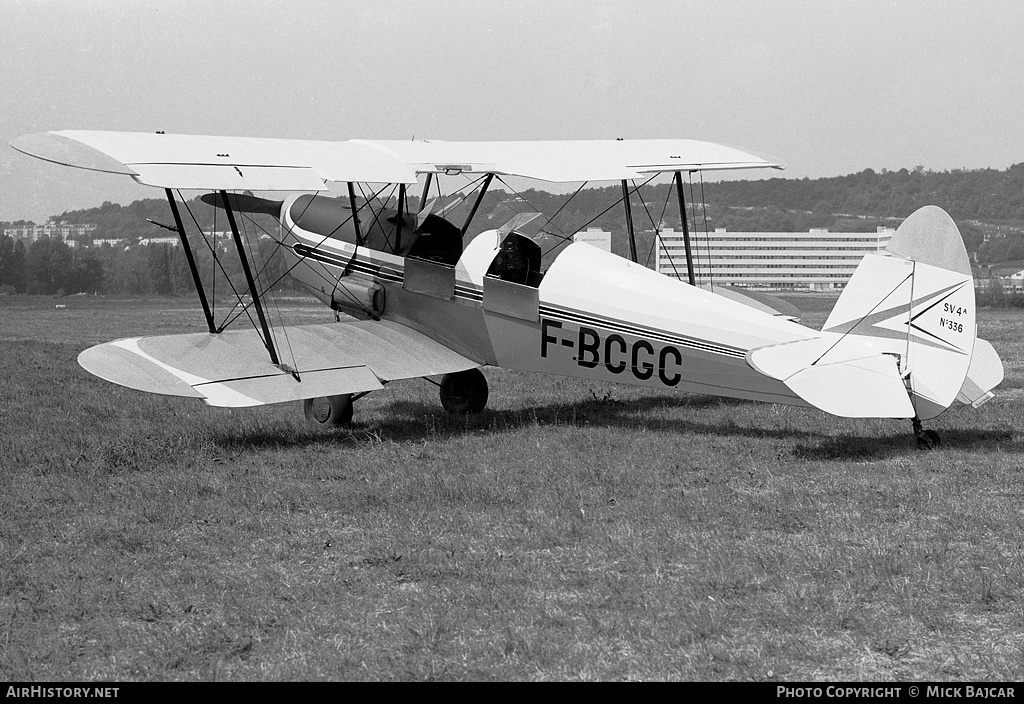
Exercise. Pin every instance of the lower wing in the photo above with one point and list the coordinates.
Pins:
(231, 369)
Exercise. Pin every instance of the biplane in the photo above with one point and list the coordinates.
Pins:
(425, 300)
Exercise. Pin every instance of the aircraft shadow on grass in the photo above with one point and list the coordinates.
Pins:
(641, 413)
(417, 421)
(848, 447)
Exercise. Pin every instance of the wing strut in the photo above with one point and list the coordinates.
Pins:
(401, 218)
(476, 204)
(355, 215)
(191, 261)
(267, 340)
(686, 227)
(426, 190)
(629, 221)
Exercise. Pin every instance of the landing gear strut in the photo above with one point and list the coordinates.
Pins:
(464, 392)
(329, 410)
(926, 439)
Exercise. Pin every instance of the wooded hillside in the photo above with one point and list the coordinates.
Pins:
(985, 203)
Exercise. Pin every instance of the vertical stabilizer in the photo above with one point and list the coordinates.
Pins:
(917, 302)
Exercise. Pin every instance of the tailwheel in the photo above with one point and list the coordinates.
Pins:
(464, 392)
(927, 439)
(329, 410)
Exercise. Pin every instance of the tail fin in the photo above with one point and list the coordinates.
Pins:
(907, 317)
(920, 300)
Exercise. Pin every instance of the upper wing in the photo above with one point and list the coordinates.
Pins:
(573, 160)
(217, 163)
(248, 163)
(231, 368)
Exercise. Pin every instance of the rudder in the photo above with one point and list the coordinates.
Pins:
(916, 302)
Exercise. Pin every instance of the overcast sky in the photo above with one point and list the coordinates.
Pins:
(829, 88)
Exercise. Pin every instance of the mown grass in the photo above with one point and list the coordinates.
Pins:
(571, 531)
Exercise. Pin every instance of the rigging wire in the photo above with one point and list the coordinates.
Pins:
(693, 218)
(240, 308)
(228, 317)
(654, 225)
(217, 264)
(707, 237)
(376, 217)
(566, 238)
(657, 232)
(882, 300)
(550, 220)
(658, 239)
(325, 275)
(241, 240)
(306, 207)
(323, 272)
(466, 191)
(247, 218)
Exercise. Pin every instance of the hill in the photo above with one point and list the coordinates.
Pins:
(987, 204)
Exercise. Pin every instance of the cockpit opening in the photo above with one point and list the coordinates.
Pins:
(517, 261)
(437, 240)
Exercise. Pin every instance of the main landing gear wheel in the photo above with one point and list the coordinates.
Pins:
(464, 392)
(329, 410)
(926, 439)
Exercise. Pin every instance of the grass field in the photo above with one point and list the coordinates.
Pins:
(571, 531)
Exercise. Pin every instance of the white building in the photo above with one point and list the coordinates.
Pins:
(1012, 283)
(173, 241)
(64, 230)
(602, 239)
(816, 260)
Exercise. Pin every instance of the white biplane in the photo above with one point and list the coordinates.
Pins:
(900, 342)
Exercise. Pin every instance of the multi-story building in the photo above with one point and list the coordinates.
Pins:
(173, 241)
(1009, 280)
(816, 260)
(602, 239)
(64, 230)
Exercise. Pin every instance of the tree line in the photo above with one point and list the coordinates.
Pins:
(50, 266)
(982, 202)
(47, 266)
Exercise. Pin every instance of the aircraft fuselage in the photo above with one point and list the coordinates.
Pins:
(592, 315)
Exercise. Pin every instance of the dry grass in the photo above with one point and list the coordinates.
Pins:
(572, 531)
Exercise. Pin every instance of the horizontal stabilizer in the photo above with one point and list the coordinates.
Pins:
(766, 303)
(851, 379)
(232, 369)
(985, 373)
(863, 388)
